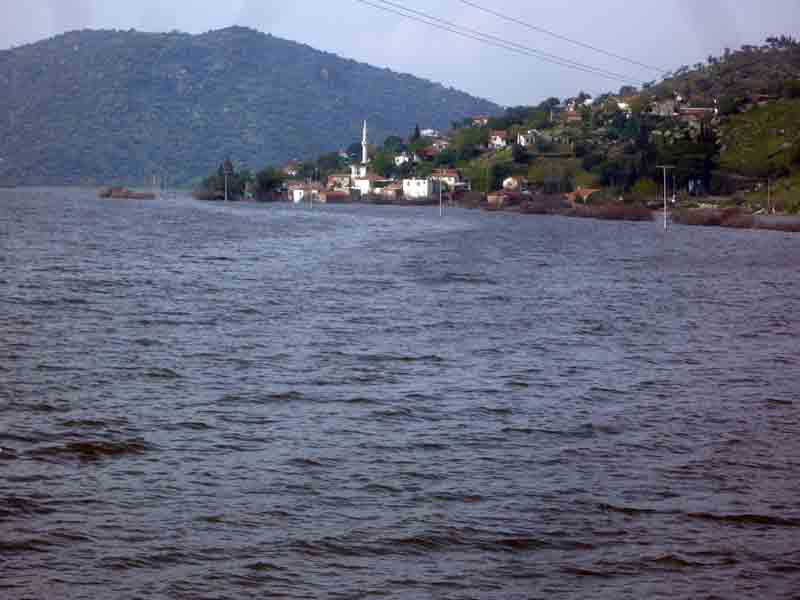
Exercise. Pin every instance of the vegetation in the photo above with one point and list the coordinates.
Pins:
(123, 106)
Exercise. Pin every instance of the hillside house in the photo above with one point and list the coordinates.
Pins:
(292, 169)
(430, 133)
(480, 121)
(664, 108)
(338, 182)
(498, 140)
(392, 191)
(420, 189)
(515, 184)
(528, 139)
(402, 159)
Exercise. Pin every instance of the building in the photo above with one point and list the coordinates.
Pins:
(498, 140)
(480, 121)
(292, 169)
(515, 184)
(366, 185)
(581, 194)
(402, 159)
(339, 182)
(664, 108)
(393, 190)
(430, 133)
(528, 139)
(300, 191)
(449, 177)
(420, 189)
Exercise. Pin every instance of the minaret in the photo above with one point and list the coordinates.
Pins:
(364, 146)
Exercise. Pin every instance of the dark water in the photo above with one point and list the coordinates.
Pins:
(208, 401)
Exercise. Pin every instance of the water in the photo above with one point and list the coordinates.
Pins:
(209, 401)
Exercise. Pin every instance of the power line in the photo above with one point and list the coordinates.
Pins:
(563, 37)
(499, 42)
(494, 40)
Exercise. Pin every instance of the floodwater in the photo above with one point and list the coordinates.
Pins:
(243, 400)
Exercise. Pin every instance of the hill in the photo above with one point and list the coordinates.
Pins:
(114, 106)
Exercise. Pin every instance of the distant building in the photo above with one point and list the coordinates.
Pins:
(339, 182)
(480, 121)
(664, 108)
(528, 139)
(498, 139)
(304, 191)
(402, 159)
(292, 169)
(515, 184)
(451, 178)
(430, 133)
(418, 189)
(367, 184)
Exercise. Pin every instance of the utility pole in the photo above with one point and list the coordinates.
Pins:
(769, 196)
(665, 169)
(227, 167)
(441, 208)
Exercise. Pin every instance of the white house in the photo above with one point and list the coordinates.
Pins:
(300, 191)
(418, 189)
(515, 184)
(402, 159)
(526, 139)
(430, 133)
(498, 140)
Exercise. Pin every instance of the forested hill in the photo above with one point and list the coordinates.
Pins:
(114, 106)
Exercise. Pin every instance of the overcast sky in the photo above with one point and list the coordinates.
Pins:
(664, 33)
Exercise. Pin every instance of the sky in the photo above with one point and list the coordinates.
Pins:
(661, 33)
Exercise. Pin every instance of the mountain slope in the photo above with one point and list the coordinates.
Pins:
(111, 106)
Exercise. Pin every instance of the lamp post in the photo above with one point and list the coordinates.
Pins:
(665, 168)
(227, 168)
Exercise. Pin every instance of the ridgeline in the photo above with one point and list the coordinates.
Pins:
(92, 107)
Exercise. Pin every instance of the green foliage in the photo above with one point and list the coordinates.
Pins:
(394, 144)
(330, 163)
(122, 106)
(645, 188)
(383, 164)
(467, 143)
(760, 142)
(237, 180)
(269, 179)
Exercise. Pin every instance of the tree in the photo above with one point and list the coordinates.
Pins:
(329, 163)
(269, 179)
(519, 154)
(383, 164)
(416, 134)
(354, 151)
(394, 144)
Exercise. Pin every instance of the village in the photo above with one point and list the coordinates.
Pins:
(476, 165)
(713, 144)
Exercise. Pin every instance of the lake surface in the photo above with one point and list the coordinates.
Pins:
(245, 400)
